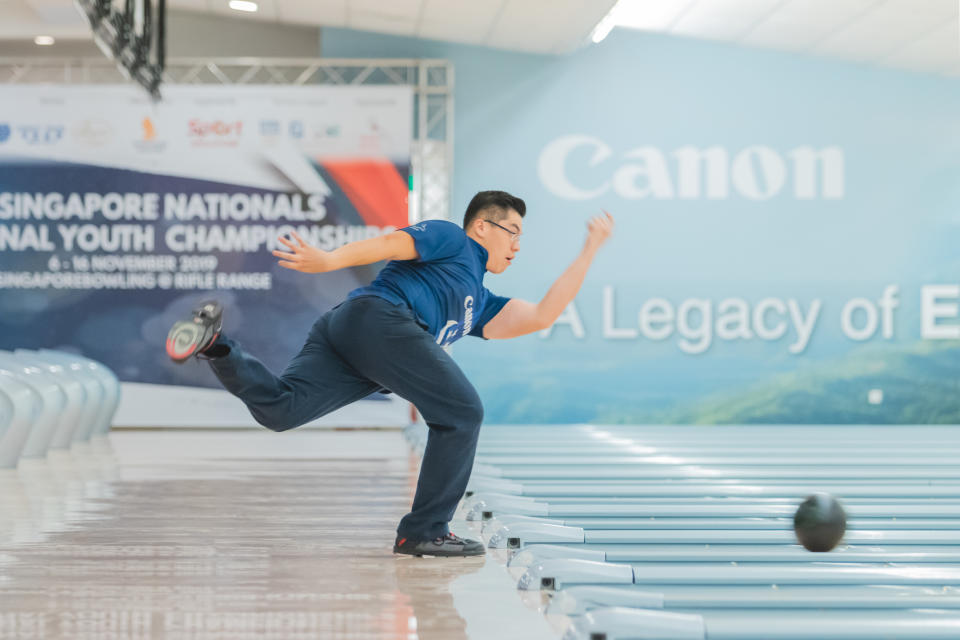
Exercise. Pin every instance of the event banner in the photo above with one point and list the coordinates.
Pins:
(786, 233)
(117, 215)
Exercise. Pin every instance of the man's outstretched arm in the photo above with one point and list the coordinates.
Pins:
(519, 317)
(302, 257)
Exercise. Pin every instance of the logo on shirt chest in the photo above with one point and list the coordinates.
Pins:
(451, 330)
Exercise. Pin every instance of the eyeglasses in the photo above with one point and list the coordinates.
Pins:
(514, 235)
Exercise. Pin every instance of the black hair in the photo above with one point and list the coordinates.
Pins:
(497, 203)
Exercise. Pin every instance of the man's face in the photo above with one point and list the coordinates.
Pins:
(501, 239)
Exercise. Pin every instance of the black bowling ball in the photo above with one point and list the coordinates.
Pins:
(820, 522)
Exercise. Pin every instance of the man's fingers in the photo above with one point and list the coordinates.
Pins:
(287, 243)
(600, 227)
(298, 238)
(289, 265)
(284, 255)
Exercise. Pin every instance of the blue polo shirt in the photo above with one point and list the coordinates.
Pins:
(444, 286)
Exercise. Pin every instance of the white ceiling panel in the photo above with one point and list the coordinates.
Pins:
(190, 5)
(17, 12)
(576, 31)
(19, 20)
(464, 12)
(53, 12)
(382, 22)
(879, 33)
(936, 49)
(651, 16)
(467, 33)
(393, 7)
(800, 24)
(464, 21)
(522, 25)
(834, 13)
(943, 8)
(536, 25)
(885, 32)
(329, 12)
(724, 19)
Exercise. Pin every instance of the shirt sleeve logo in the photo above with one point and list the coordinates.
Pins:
(449, 332)
(467, 314)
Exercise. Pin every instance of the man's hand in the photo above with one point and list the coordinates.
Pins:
(599, 229)
(303, 257)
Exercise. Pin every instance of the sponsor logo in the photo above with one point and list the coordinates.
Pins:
(448, 333)
(270, 128)
(149, 130)
(4, 132)
(372, 140)
(42, 134)
(323, 131)
(314, 134)
(93, 132)
(214, 132)
(581, 167)
(148, 142)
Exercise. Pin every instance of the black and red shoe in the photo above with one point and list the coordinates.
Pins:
(192, 337)
(449, 546)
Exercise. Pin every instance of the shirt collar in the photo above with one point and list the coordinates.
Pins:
(481, 254)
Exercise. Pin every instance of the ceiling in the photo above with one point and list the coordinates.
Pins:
(508, 24)
(918, 35)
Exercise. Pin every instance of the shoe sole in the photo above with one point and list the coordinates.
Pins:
(184, 339)
(441, 555)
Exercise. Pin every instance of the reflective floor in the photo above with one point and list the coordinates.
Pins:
(235, 535)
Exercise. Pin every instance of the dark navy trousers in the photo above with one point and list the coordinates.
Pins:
(357, 348)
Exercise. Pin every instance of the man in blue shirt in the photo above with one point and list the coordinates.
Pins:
(390, 336)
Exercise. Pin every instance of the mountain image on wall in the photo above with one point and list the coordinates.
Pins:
(920, 385)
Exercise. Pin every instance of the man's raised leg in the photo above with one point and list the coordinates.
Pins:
(316, 381)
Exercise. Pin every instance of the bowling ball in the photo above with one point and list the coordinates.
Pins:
(820, 522)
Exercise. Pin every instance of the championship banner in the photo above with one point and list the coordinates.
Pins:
(117, 215)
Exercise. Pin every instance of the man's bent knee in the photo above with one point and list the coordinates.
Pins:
(274, 423)
(473, 415)
(460, 414)
(279, 428)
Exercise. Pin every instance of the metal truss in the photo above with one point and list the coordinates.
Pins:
(431, 80)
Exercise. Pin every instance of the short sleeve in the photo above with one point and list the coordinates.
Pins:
(492, 304)
(436, 239)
